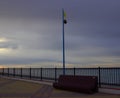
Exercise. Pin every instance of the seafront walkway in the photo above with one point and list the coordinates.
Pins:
(13, 88)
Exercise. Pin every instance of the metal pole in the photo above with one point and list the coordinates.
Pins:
(63, 36)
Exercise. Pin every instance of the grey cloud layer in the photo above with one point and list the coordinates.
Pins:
(35, 26)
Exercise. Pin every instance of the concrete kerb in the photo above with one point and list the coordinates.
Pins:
(109, 91)
(28, 80)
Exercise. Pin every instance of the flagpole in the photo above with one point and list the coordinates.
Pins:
(63, 38)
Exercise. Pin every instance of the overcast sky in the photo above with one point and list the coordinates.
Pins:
(31, 32)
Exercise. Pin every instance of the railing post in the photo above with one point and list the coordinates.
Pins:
(3, 71)
(74, 71)
(0, 72)
(14, 72)
(37, 73)
(55, 74)
(99, 76)
(8, 71)
(41, 72)
(21, 72)
(30, 72)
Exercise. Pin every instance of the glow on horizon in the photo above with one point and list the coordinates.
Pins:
(4, 50)
(3, 40)
(1, 66)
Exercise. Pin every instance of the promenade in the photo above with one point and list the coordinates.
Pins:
(11, 88)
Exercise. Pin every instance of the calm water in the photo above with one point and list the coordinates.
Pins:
(107, 75)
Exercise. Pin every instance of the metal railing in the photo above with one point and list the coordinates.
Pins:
(106, 76)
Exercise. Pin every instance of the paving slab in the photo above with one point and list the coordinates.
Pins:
(13, 88)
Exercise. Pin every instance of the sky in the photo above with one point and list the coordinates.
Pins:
(31, 33)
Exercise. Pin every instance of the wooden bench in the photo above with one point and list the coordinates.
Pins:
(85, 84)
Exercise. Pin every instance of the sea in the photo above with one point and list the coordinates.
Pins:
(108, 76)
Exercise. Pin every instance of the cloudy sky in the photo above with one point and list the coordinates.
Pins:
(31, 32)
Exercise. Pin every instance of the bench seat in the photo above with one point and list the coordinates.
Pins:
(85, 84)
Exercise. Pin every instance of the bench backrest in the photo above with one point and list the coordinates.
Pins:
(65, 79)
